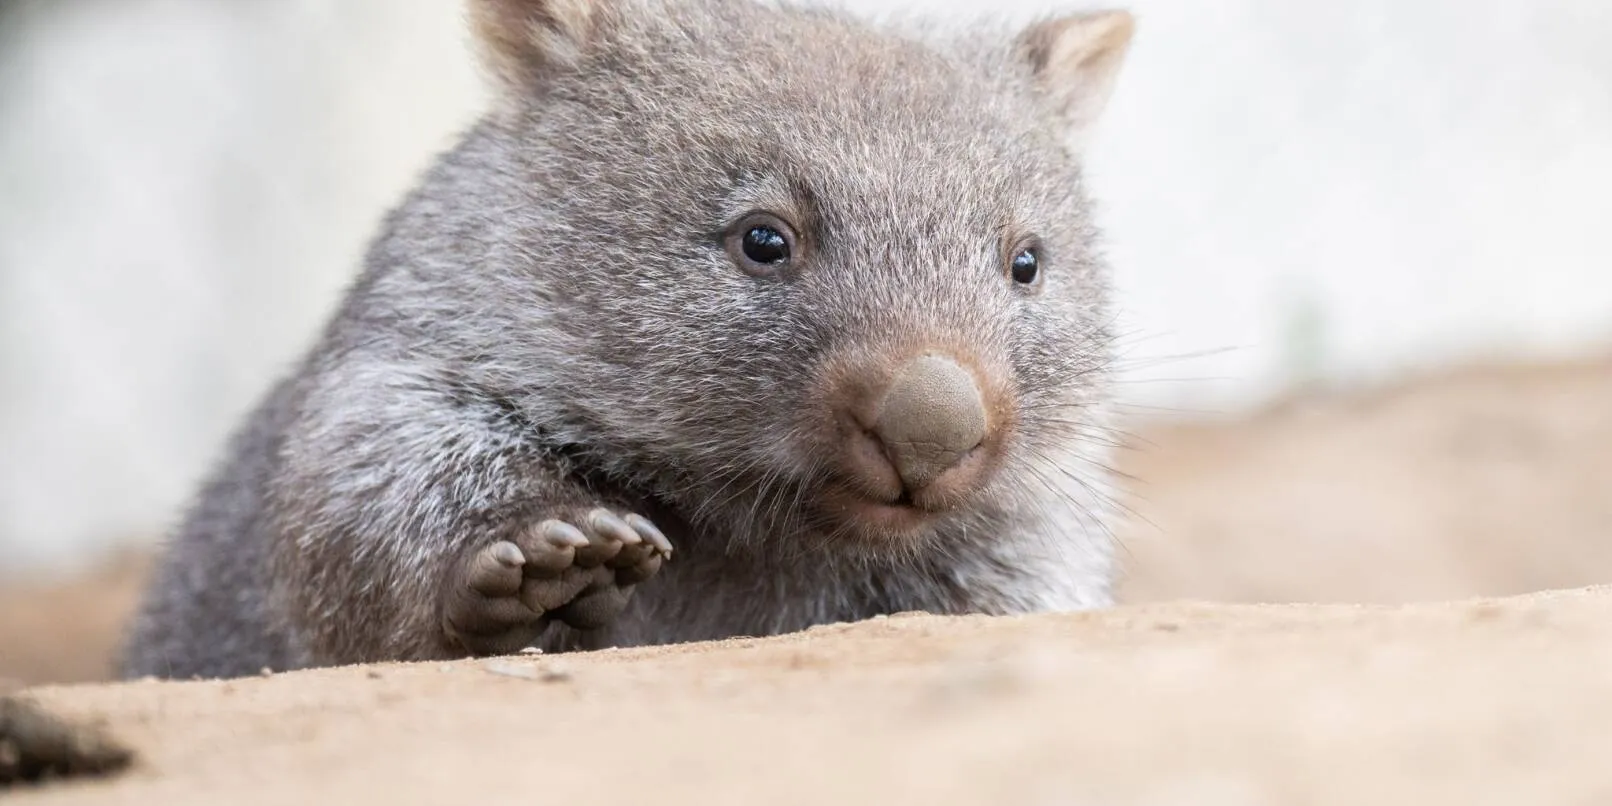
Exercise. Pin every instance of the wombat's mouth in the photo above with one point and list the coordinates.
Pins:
(898, 511)
(877, 516)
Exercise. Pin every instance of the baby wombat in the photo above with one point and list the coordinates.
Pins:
(726, 319)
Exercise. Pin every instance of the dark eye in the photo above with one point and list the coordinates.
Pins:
(1026, 267)
(762, 244)
(766, 245)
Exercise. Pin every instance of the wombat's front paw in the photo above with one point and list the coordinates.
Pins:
(580, 572)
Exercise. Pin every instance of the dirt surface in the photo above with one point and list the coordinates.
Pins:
(66, 631)
(1482, 483)
(1479, 482)
(1496, 702)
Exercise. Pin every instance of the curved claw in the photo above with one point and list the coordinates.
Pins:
(650, 533)
(562, 534)
(607, 523)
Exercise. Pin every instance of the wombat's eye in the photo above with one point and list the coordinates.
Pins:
(1026, 265)
(765, 245)
(762, 244)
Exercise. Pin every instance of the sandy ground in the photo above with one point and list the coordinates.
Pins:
(1504, 702)
(1479, 482)
(1415, 499)
(66, 631)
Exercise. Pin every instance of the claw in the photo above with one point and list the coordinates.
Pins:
(508, 554)
(562, 534)
(605, 522)
(648, 531)
(492, 572)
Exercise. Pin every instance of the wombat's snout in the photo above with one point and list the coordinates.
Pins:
(931, 417)
(919, 437)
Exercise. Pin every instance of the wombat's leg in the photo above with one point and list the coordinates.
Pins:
(578, 570)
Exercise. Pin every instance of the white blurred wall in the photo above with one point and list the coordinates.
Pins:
(1291, 187)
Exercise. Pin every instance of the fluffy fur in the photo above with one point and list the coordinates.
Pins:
(549, 321)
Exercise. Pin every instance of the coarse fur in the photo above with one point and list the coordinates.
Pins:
(549, 322)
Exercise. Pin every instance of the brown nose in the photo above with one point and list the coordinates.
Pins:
(931, 417)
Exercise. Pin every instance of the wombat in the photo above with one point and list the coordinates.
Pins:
(725, 319)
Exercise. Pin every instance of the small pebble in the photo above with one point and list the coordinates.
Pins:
(266, 672)
(532, 650)
(509, 670)
(548, 673)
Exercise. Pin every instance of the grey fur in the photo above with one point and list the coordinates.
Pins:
(544, 324)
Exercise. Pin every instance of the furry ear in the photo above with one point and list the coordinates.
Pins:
(521, 42)
(1075, 60)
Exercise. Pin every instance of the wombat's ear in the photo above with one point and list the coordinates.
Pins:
(522, 42)
(1075, 59)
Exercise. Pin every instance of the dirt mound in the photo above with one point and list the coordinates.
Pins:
(1500, 701)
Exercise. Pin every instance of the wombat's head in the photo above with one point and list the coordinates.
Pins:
(815, 272)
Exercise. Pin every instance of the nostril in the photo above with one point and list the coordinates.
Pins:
(874, 467)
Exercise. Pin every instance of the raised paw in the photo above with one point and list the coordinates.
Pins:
(580, 571)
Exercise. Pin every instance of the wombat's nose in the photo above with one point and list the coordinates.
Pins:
(931, 417)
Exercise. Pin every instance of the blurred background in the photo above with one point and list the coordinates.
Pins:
(1361, 250)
